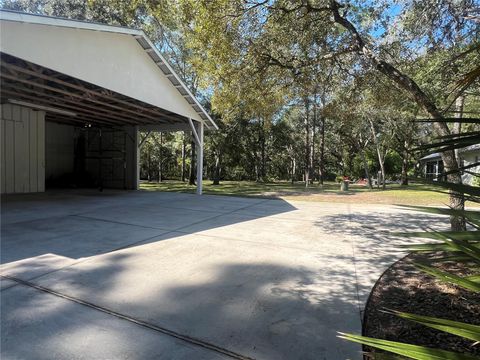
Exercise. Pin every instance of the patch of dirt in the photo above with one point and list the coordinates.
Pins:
(404, 288)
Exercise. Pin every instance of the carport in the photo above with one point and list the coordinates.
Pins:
(75, 99)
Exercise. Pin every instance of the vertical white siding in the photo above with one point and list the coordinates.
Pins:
(33, 149)
(41, 151)
(21, 142)
(8, 138)
(23, 149)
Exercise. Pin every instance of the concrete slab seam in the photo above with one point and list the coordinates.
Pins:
(276, 246)
(186, 226)
(186, 338)
(115, 222)
(164, 232)
(220, 215)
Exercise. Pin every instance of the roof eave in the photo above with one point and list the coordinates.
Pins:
(168, 71)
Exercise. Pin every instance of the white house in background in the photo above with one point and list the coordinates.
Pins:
(432, 165)
(76, 95)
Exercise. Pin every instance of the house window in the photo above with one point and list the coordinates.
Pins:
(440, 167)
(431, 170)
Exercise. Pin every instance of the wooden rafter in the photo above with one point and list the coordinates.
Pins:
(66, 103)
(69, 120)
(92, 103)
(107, 97)
(46, 102)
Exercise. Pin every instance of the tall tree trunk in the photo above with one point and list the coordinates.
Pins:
(294, 169)
(149, 166)
(307, 143)
(365, 166)
(258, 177)
(263, 156)
(184, 156)
(321, 165)
(381, 158)
(457, 200)
(216, 172)
(382, 167)
(312, 142)
(405, 164)
(160, 159)
(457, 126)
(191, 180)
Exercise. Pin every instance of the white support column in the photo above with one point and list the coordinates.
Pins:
(142, 141)
(199, 137)
(197, 131)
(194, 131)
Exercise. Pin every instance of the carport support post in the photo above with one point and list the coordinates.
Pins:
(200, 158)
(197, 132)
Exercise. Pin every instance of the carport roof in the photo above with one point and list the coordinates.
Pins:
(16, 61)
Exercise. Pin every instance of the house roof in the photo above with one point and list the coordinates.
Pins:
(68, 53)
(434, 156)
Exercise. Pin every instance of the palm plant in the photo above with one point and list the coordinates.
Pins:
(459, 246)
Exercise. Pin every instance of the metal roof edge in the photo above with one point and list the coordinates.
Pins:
(430, 156)
(18, 16)
(169, 67)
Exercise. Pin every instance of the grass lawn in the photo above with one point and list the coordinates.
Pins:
(414, 194)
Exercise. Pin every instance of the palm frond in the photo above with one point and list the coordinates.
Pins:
(453, 140)
(462, 168)
(451, 120)
(412, 351)
(449, 278)
(471, 215)
(467, 331)
(473, 236)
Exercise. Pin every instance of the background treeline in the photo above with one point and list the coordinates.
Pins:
(249, 152)
(304, 90)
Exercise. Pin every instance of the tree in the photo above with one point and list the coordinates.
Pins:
(314, 86)
(332, 30)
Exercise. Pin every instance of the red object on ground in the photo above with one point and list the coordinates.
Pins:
(362, 182)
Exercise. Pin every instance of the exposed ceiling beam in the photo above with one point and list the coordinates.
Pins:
(141, 110)
(67, 103)
(44, 102)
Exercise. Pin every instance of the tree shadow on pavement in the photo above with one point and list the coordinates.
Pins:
(264, 311)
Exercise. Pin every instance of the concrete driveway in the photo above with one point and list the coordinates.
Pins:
(139, 275)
